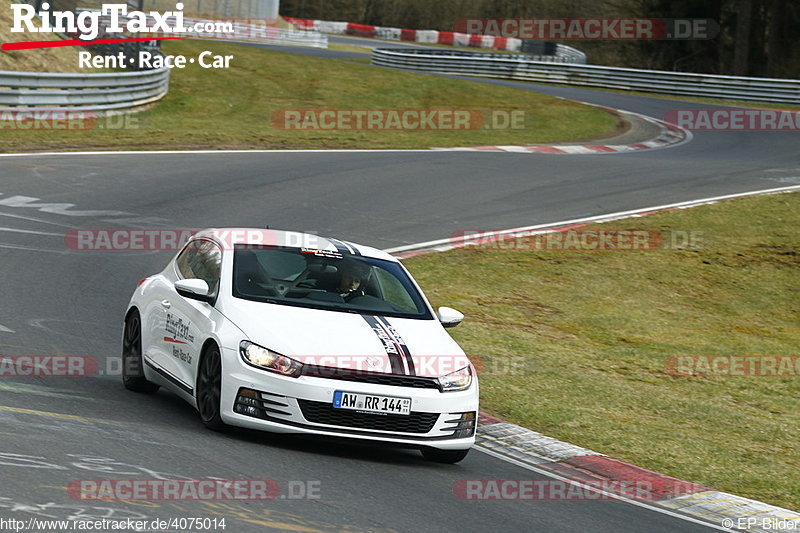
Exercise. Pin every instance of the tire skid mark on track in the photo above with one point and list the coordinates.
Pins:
(38, 390)
(9, 246)
(31, 232)
(39, 323)
(51, 414)
(38, 220)
(118, 218)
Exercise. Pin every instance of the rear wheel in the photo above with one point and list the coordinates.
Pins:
(444, 456)
(132, 364)
(209, 388)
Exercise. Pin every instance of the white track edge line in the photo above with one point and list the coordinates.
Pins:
(595, 218)
(644, 505)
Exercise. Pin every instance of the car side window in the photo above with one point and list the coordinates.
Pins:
(393, 291)
(201, 259)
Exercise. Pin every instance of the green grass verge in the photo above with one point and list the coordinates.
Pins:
(233, 108)
(42, 60)
(584, 338)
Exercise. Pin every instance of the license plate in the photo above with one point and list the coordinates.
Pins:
(372, 404)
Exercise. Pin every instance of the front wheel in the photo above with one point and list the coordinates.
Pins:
(444, 456)
(209, 389)
(132, 365)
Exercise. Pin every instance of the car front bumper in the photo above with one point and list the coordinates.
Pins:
(443, 420)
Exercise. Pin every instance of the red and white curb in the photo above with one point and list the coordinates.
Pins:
(594, 471)
(670, 135)
(399, 34)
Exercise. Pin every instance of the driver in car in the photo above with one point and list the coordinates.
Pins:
(352, 278)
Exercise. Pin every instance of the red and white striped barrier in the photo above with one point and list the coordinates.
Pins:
(246, 30)
(399, 34)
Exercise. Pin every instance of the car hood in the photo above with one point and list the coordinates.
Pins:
(349, 340)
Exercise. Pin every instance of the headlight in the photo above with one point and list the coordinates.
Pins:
(458, 380)
(268, 360)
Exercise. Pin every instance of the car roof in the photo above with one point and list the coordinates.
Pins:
(229, 237)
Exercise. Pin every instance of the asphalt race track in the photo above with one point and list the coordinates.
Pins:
(59, 301)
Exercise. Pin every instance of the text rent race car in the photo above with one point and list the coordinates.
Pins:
(295, 333)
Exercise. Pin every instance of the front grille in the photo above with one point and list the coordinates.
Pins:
(325, 413)
(416, 382)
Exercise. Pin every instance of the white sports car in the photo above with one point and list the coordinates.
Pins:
(294, 333)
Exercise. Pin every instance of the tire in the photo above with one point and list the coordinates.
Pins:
(132, 364)
(444, 456)
(209, 388)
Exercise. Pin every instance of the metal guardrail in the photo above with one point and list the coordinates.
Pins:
(566, 54)
(81, 92)
(96, 93)
(538, 69)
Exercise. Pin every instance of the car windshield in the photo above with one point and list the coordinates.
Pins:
(322, 279)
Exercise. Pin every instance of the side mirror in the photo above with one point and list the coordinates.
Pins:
(196, 289)
(449, 317)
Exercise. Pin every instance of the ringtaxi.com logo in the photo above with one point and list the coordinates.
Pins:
(397, 119)
(86, 24)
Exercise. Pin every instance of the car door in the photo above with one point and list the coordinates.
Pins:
(153, 312)
(188, 322)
